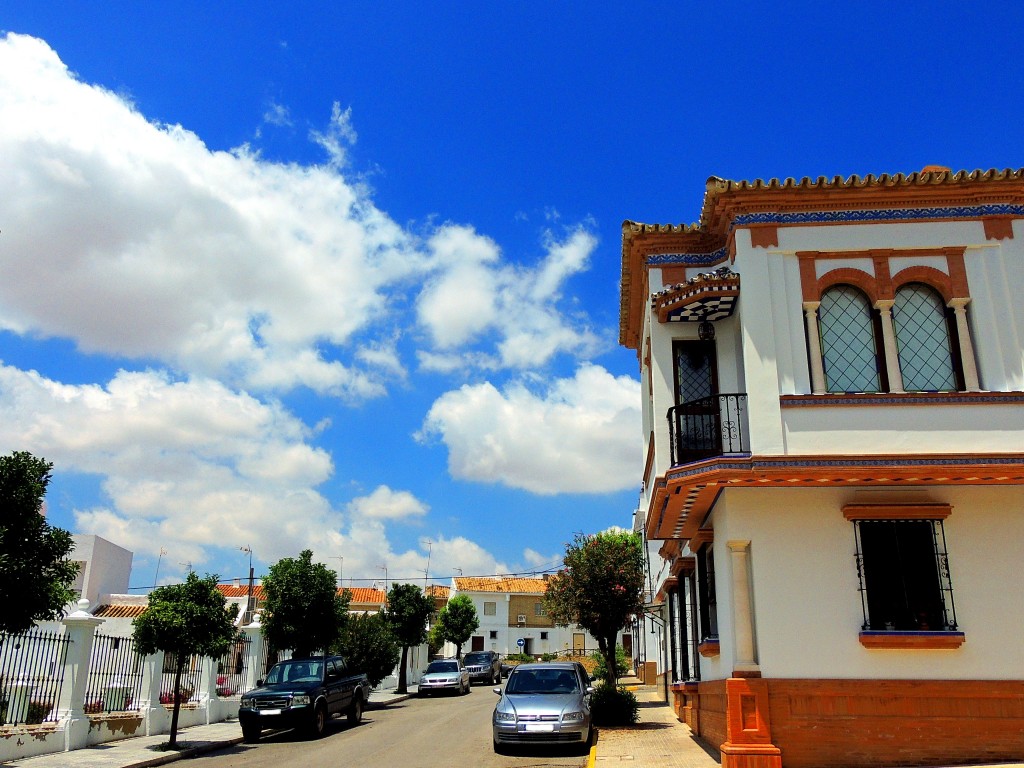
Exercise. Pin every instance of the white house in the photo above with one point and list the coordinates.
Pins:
(832, 387)
(513, 620)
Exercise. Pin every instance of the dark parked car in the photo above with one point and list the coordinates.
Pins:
(303, 693)
(483, 666)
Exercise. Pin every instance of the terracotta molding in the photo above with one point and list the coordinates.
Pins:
(998, 228)
(700, 538)
(897, 511)
(901, 399)
(930, 276)
(808, 277)
(883, 276)
(889, 253)
(846, 276)
(912, 640)
(709, 648)
(690, 490)
(957, 274)
(683, 565)
(766, 236)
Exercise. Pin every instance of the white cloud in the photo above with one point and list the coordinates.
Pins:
(183, 461)
(579, 436)
(475, 295)
(218, 263)
(387, 504)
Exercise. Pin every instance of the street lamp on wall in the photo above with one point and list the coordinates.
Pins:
(706, 330)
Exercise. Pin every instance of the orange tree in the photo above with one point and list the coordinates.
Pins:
(183, 620)
(599, 588)
(35, 572)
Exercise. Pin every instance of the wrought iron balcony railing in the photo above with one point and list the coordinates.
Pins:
(711, 426)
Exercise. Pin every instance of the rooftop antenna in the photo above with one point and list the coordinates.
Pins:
(156, 576)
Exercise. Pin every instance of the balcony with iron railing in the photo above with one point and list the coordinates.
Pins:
(708, 427)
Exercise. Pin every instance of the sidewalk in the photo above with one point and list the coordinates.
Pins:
(659, 740)
(144, 751)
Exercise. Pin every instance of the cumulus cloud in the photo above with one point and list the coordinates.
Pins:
(387, 504)
(578, 435)
(475, 295)
(218, 263)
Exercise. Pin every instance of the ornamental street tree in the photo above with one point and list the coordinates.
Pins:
(600, 588)
(408, 612)
(369, 645)
(35, 573)
(457, 621)
(183, 620)
(303, 611)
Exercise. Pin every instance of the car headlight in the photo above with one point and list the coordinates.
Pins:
(247, 701)
(300, 701)
(504, 717)
(572, 716)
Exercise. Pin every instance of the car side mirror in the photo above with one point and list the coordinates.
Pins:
(590, 689)
(259, 682)
(497, 691)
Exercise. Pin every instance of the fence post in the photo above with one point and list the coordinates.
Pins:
(255, 659)
(79, 627)
(157, 719)
(208, 691)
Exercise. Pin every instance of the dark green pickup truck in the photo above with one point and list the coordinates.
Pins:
(303, 693)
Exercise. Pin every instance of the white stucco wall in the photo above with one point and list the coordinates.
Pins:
(807, 605)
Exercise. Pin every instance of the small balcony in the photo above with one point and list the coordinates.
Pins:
(708, 427)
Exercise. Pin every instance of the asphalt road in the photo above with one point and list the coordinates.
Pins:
(437, 732)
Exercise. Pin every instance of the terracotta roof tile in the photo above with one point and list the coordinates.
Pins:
(509, 584)
(235, 590)
(364, 595)
(119, 611)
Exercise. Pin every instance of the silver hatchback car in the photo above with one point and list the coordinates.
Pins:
(545, 703)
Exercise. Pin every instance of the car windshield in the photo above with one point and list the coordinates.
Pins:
(443, 666)
(478, 658)
(295, 671)
(542, 681)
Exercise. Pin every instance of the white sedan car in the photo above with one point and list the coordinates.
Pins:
(445, 675)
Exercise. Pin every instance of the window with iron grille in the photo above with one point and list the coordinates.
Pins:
(706, 599)
(490, 608)
(904, 576)
(850, 351)
(923, 335)
(538, 609)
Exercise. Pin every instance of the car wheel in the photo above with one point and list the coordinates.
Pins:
(355, 712)
(318, 723)
(250, 734)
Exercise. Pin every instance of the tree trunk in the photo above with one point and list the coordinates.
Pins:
(173, 742)
(608, 651)
(403, 683)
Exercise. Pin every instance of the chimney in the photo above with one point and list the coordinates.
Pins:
(238, 583)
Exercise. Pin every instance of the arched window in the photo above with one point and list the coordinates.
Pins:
(923, 338)
(849, 346)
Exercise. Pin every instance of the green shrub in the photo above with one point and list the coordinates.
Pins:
(548, 657)
(614, 706)
(519, 658)
(621, 664)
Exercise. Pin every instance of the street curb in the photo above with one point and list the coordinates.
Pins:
(186, 753)
(592, 757)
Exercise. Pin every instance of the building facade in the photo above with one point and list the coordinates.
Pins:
(832, 375)
(513, 619)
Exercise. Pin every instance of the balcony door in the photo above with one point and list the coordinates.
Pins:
(695, 419)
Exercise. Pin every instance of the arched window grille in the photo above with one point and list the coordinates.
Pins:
(849, 341)
(924, 340)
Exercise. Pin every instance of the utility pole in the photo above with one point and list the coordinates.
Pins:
(426, 573)
(247, 619)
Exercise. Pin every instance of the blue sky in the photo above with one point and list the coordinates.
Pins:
(345, 277)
